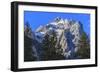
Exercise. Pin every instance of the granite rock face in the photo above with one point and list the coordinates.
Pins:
(68, 36)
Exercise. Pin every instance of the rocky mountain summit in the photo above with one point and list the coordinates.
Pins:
(60, 37)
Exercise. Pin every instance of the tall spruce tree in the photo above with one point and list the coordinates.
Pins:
(84, 47)
(28, 42)
(49, 47)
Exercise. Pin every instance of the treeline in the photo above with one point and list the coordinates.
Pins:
(83, 47)
(51, 50)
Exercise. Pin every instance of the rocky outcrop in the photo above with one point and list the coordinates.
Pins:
(68, 36)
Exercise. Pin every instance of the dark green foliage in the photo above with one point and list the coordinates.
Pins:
(84, 47)
(28, 42)
(50, 49)
(28, 49)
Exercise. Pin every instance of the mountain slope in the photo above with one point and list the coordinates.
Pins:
(68, 34)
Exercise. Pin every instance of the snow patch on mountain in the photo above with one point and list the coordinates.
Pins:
(68, 34)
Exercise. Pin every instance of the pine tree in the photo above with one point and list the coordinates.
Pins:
(28, 42)
(84, 47)
(49, 48)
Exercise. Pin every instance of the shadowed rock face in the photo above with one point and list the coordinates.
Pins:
(68, 36)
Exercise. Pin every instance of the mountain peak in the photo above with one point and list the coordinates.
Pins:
(57, 19)
(59, 23)
(68, 33)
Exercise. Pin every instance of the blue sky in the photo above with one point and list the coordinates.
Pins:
(35, 19)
